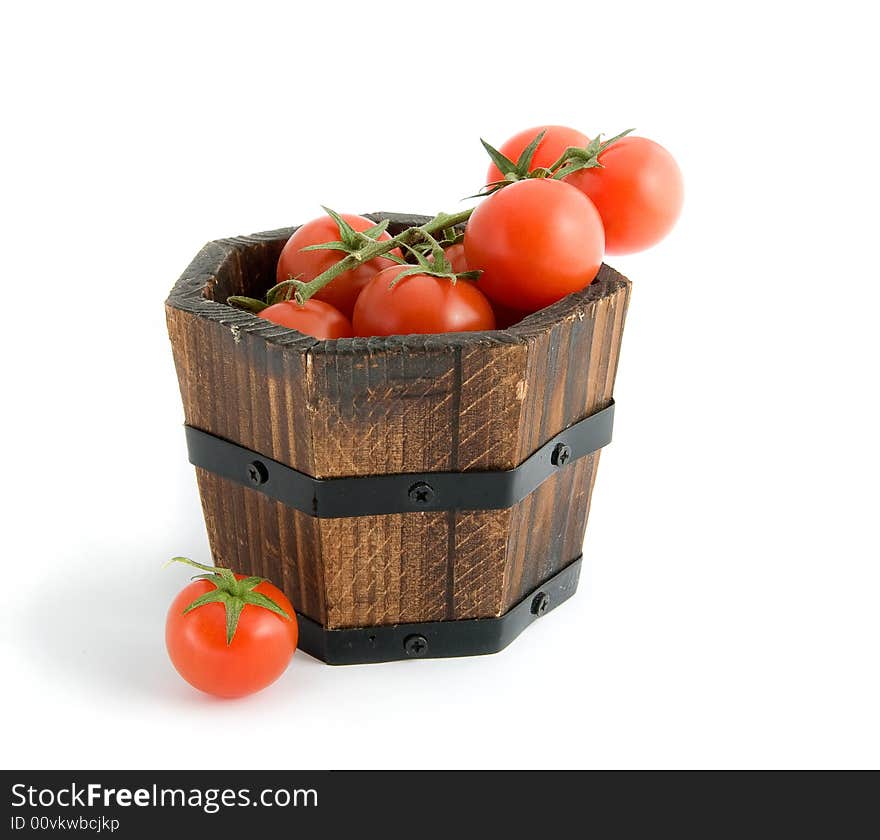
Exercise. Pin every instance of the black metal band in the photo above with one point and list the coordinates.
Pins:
(436, 639)
(398, 492)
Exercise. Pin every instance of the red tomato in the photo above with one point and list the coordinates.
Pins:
(455, 255)
(259, 653)
(535, 241)
(420, 303)
(557, 139)
(638, 193)
(343, 290)
(315, 318)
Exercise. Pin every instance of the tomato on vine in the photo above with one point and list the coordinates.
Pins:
(638, 191)
(230, 635)
(426, 298)
(314, 317)
(323, 242)
(634, 182)
(456, 258)
(535, 241)
(554, 141)
(537, 237)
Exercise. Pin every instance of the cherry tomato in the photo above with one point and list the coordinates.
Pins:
(456, 257)
(556, 140)
(258, 654)
(342, 292)
(315, 318)
(504, 316)
(420, 303)
(638, 193)
(535, 241)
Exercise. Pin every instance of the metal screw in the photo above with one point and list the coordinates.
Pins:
(421, 493)
(257, 473)
(415, 645)
(561, 455)
(540, 604)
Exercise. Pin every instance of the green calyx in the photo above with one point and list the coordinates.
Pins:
(351, 241)
(249, 304)
(573, 159)
(431, 260)
(234, 594)
(279, 293)
(510, 171)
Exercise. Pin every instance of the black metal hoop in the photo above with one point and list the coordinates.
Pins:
(437, 639)
(399, 492)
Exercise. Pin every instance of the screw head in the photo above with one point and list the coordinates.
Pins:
(415, 645)
(540, 604)
(421, 494)
(561, 455)
(257, 473)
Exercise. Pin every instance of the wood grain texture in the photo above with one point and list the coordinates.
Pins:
(472, 401)
(573, 354)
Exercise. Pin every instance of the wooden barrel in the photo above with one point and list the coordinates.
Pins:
(280, 426)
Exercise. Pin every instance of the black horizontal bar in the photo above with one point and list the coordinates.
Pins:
(371, 495)
(436, 639)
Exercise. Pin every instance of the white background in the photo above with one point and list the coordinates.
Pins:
(729, 611)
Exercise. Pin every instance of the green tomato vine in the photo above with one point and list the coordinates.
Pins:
(362, 246)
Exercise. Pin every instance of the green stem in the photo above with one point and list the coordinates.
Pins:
(232, 593)
(192, 563)
(249, 304)
(596, 146)
(557, 165)
(376, 249)
(281, 290)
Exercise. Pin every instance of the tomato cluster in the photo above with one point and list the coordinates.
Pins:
(555, 203)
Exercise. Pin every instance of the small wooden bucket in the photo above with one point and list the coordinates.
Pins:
(415, 496)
